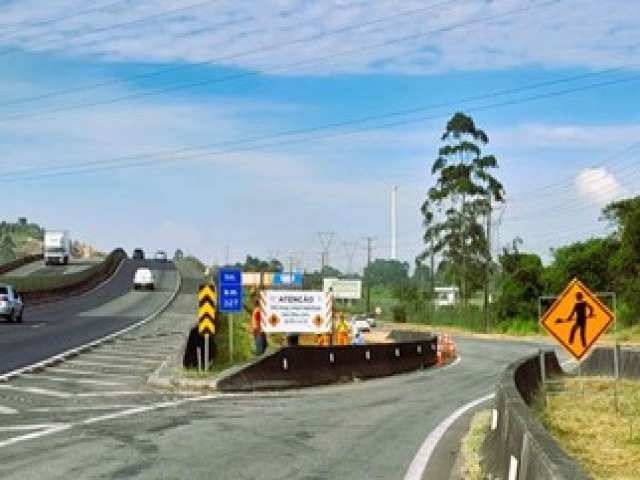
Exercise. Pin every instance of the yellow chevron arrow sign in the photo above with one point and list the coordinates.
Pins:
(207, 309)
(206, 327)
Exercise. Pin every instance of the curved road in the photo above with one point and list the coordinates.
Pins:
(96, 417)
(56, 327)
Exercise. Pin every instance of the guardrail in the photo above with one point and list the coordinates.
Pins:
(518, 446)
(601, 362)
(7, 267)
(304, 366)
(40, 289)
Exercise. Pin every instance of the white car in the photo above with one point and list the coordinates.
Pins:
(143, 279)
(359, 325)
(161, 256)
(367, 317)
(11, 306)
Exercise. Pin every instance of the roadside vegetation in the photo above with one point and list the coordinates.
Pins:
(471, 447)
(597, 421)
(503, 294)
(19, 239)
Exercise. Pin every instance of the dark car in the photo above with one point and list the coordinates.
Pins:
(138, 254)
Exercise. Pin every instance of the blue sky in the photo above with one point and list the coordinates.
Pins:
(229, 128)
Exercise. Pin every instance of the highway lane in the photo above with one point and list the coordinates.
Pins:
(365, 430)
(52, 328)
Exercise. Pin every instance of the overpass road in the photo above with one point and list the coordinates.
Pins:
(56, 327)
(39, 268)
(95, 415)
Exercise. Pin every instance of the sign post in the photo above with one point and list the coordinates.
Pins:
(206, 316)
(230, 298)
(577, 319)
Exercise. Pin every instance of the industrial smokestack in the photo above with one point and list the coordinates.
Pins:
(394, 222)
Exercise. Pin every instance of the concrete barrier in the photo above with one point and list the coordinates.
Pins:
(304, 366)
(518, 446)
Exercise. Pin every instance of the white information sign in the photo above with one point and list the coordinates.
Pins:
(343, 289)
(295, 311)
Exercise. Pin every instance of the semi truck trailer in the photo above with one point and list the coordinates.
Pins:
(57, 247)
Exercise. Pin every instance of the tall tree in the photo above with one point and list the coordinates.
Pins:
(521, 283)
(461, 198)
(625, 215)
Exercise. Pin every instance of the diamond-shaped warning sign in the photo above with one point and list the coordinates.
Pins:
(577, 319)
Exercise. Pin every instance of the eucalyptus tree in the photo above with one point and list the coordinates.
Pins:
(460, 200)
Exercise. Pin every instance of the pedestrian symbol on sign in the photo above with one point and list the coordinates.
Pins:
(577, 311)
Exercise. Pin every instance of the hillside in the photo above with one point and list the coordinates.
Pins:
(21, 238)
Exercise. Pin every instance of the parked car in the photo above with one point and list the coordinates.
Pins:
(370, 318)
(359, 325)
(11, 305)
(143, 279)
(161, 256)
(138, 254)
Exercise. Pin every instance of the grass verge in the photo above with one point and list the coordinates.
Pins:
(471, 448)
(596, 421)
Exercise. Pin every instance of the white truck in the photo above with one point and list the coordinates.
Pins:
(57, 247)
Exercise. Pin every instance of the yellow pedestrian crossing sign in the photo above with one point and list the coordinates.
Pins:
(207, 309)
(577, 319)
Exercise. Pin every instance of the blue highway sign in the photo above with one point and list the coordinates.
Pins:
(230, 290)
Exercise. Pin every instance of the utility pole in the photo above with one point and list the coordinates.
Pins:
(350, 248)
(394, 222)
(368, 274)
(488, 267)
(325, 240)
(433, 274)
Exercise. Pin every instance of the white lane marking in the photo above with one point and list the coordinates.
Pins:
(37, 426)
(56, 428)
(94, 373)
(419, 462)
(127, 351)
(82, 381)
(74, 351)
(128, 358)
(34, 435)
(38, 325)
(37, 391)
(110, 394)
(79, 408)
(88, 363)
(7, 410)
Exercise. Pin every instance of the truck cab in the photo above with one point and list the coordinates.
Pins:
(57, 247)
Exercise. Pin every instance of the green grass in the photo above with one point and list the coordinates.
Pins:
(598, 428)
(471, 448)
(243, 348)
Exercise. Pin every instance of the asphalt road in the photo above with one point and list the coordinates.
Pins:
(56, 327)
(96, 417)
(39, 268)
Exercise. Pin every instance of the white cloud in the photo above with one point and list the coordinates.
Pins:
(336, 36)
(597, 185)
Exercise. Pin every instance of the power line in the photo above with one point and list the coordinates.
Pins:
(130, 22)
(41, 23)
(224, 58)
(285, 66)
(136, 160)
